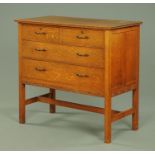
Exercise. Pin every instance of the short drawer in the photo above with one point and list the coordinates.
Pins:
(61, 53)
(74, 78)
(40, 33)
(82, 37)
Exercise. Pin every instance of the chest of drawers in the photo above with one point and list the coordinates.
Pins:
(88, 56)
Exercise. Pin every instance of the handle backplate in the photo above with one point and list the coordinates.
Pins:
(82, 37)
(82, 75)
(40, 69)
(82, 55)
(40, 33)
(40, 50)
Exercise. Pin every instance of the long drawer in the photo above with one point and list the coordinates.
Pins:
(68, 54)
(76, 78)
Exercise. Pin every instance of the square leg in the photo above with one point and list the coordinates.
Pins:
(22, 103)
(107, 120)
(135, 105)
(52, 107)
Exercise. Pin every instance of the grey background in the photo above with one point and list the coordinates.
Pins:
(70, 129)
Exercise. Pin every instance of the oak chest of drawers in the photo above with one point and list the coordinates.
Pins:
(89, 56)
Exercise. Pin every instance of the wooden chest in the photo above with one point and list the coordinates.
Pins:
(88, 56)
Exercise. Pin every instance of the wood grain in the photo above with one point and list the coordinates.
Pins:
(91, 57)
(46, 98)
(72, 105)
(107, 88)
(87, 56)
(40, 33)
(60, 86)
(80, 22)
(52, 107)
(63, 74)
(124, 59)
(135, 92)
(21, 84)
(122, 114)
(82, 37)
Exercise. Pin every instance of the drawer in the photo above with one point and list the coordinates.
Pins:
(70, 77)
(61, 53)
(40, 33)
(82, 37)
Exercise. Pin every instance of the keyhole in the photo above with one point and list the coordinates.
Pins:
(82, 32)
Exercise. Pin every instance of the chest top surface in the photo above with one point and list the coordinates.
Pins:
(80, 22)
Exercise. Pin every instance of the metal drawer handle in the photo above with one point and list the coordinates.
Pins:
(40, 69)
(40, 33)
(82, 55)
(40, 50)
(82, 75)
(80, 37)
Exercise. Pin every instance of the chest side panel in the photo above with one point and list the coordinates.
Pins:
(124, 59)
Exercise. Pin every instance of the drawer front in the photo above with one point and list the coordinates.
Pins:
(61, 53)
(40, 33)
(82, 37)
(76, 78)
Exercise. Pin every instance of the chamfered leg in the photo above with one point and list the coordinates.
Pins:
(107, 120)
(52, 107)
(22, 103)
(135, 100)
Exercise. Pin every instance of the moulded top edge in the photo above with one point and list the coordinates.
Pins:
(79, 22)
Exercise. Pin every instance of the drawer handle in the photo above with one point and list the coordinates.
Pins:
(40, 69)
(40, 50)
(82, 55)
(40, 33)
(80, 37)
(82, 75)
